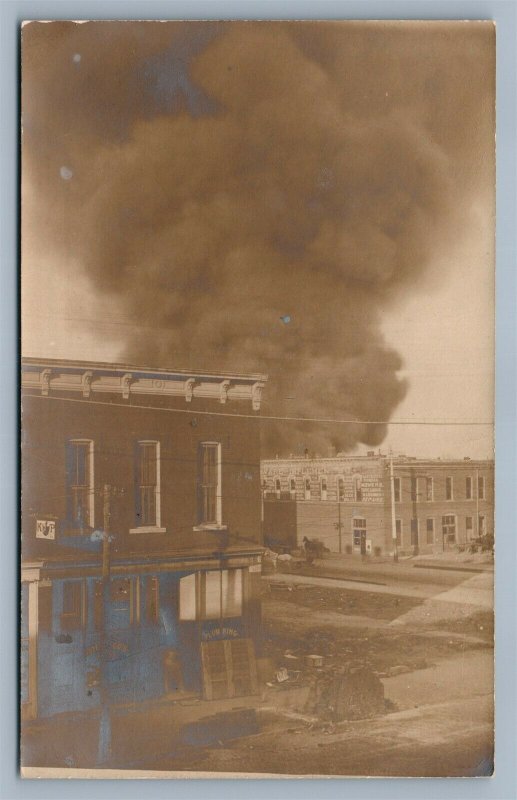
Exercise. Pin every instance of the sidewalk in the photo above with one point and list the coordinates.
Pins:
(415, 570)
(473, 595)
(294, 579)
(139, 732)
(462, 677)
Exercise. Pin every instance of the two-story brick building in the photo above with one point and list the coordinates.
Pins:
(346, 502)
(141, 534)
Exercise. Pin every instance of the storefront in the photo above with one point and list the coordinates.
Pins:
(155, 634)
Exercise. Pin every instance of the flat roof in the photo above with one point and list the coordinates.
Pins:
(397, 460)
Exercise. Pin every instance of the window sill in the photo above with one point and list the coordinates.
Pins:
(148, 529)
(71, 531)
(210, 527)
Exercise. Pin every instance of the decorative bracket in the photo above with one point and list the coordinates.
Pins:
(256, 395)
(223, 397)
(126, 385)
(86, 382)
(189, 389)
(45, 381)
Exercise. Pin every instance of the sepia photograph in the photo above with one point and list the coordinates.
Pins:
(257, 399)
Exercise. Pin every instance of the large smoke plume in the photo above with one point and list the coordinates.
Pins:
(253, 195)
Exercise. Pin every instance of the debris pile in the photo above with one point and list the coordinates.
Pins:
(335, 688)
(346, 693)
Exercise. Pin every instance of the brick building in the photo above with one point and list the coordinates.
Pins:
(141, 534)
(345, 501)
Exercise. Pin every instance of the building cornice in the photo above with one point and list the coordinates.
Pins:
(398, 463)
(48, 376)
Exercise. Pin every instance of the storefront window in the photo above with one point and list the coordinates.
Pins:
(211, 595)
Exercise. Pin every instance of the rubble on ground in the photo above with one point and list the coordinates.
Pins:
(346, 693)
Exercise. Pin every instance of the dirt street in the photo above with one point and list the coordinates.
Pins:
(437, 678)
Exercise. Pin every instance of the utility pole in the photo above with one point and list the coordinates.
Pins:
(477, 503)
(104, 750)
(393, 519)
(339, 525)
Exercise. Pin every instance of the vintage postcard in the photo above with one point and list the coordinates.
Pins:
(257, 398)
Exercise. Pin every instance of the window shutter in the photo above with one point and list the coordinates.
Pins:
(199, 498)
(69, 472)
(138, 499)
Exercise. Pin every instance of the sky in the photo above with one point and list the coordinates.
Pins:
(314, 201)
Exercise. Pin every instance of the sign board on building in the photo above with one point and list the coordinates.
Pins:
(45, 529)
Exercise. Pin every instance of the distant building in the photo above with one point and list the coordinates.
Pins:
(141, 534)
(345, 501)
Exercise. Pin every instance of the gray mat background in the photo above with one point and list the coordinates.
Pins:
(504, 785)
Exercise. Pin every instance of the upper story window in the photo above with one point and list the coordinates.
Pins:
(210, 497)
(468, 488)
(323, 488)
(448, 488)
(277, 488)
(396, 489)
(341, 489)
(358, 489)
(80, 486)
(481, 488)
(414, 489)
(307, 488)
(429, 490)
(147, 488)
(292, 486)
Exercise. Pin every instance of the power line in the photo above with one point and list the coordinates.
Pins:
(268, 417)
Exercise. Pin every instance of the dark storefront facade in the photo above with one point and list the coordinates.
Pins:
(141, 536)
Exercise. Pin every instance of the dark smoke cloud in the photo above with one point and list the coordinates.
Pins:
(258, 193)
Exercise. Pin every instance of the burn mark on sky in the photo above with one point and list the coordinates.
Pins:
(167, 81)
(224, 173)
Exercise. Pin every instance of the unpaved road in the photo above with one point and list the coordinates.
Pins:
(440, 720)
(448, 732)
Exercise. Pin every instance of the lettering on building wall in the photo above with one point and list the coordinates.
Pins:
(45, 529)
